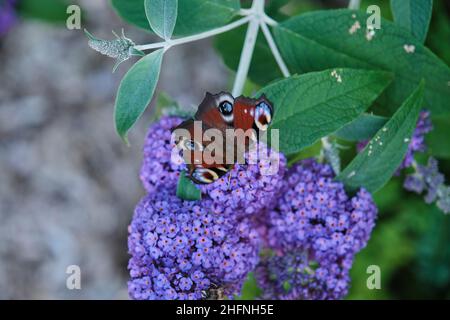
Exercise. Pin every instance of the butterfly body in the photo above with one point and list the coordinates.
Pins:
(222, 126)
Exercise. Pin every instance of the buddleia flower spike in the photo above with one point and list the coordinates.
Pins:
(121, 48)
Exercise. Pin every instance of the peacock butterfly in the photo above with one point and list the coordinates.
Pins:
(222, 126)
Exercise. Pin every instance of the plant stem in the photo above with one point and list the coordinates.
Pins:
(354, 4)
(203, 35)
(249, 45)
(274, 49)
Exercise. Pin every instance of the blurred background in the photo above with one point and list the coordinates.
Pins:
(68, 185)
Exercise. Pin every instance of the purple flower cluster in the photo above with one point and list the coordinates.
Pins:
(249, 188)
(7, 15)
(185, 249)
(428, 179)
(417, 143)
(315, 231)
(179, 249)
(294, 276)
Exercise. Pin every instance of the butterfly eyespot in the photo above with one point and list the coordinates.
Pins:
(263, 115)
(226, 108)
(204, 175)
(192, 145)
(224, 103)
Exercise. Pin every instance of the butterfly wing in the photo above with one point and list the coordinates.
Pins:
(244, 113)
(252, 113)
(203, 151)
(215, 110)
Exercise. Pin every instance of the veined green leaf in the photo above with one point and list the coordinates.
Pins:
(194, 16)
(162, 16)
(311, 106)
(186, 189)
(136, 91)
(414, 15)
(362, 128)
(339, 38)
(376, 164)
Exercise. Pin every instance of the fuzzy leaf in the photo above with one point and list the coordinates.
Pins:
(362, 128)
(327, 39)
(136, 91)
(376, 164)
(186, 189)
(311, 106)
(162, 16)
(194, 16)
(414, 15)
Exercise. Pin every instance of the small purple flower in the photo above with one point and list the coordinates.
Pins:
(315, 230)
(8, 15)
(428, 178)
(158, 168)
(417, 143)
(180, 258)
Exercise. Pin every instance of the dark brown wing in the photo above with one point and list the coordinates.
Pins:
(209, 111)
(205, 161)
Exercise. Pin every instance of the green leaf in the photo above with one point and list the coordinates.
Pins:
(162, 16)
(313, 105)
(250, 289)
(275, 5)
(362, 128)
(437, 139)
(194, 16)
(46, 10)
(263, 67)
(186, 189)
(322, 39)
(136, 91)
(376, 164)
(414, 15)
(308, 152)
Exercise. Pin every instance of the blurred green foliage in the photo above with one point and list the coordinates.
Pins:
(53, 11)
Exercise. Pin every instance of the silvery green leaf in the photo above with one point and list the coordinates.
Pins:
(136, 91)
(162, 16)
